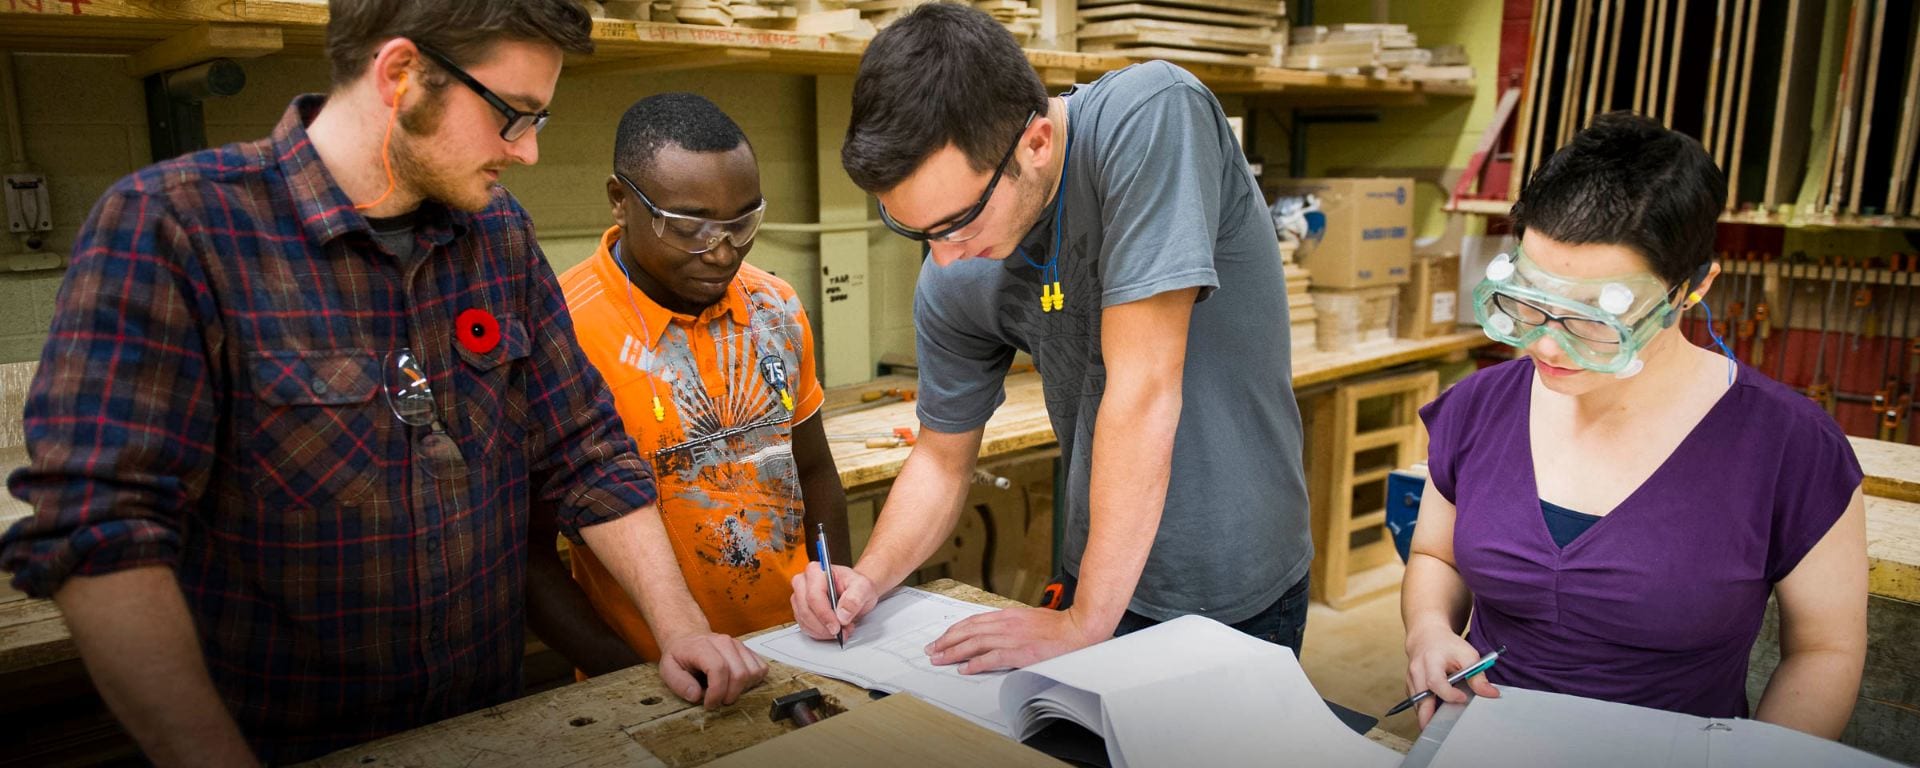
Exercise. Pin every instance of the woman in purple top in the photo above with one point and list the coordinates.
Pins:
(1616, 507)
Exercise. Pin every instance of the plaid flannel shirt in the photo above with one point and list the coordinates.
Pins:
(211, 398)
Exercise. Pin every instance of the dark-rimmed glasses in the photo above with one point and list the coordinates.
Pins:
(949, 232)
(518, 122)
(694, 234)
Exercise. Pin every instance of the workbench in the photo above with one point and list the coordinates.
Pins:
(626, 718)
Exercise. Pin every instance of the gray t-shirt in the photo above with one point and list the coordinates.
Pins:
(1158, 198)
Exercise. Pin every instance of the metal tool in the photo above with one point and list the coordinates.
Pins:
(900, 437)
(1762, 316)
(984, 477)
(1819, 389)
(804, 708)
(1789, 286)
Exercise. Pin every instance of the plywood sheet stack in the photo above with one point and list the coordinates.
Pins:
(1348, 318)
(1445, 64)
(1301, 316)
(1021, 17)
(812, 17)
(1248, 32)
(1368, 49)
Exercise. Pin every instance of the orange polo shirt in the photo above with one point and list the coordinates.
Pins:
(722, 451)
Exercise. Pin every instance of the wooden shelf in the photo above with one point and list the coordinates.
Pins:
(136, 26)
(1756, 217)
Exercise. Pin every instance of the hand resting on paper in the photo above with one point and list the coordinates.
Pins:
(1432, 657)
(1010, 639)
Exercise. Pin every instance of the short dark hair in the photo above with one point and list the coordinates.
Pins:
(463, 30)
(686, 120)
(1626, 180)
(945, 73)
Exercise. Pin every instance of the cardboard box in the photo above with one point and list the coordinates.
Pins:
(1429, 302)
(1368, 238)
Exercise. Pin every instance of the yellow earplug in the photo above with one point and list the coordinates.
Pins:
(1046, 297)
(1693, 298)
(1059, 296)
(786, 400)
(659, 411)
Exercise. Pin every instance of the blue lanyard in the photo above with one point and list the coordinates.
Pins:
(1051, 296)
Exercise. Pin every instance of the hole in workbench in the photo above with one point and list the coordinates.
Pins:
(580, 721)
(650, 701)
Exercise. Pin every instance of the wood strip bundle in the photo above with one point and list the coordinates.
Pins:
(1242, 32)
(1808, 104)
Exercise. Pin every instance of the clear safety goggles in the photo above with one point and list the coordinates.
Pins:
(694, 234)
(1602, 324)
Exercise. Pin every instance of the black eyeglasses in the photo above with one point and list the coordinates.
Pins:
(518, 122)
(947, 233)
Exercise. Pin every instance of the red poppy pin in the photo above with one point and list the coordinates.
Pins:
(478, 331)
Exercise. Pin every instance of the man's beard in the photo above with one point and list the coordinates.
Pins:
(417, 167)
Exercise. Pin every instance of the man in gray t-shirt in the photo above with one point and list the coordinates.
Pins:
(1123, 242)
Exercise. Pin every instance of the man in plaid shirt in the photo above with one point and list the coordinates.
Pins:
(303, 397)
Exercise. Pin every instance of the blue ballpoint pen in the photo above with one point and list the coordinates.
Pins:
(1485, 663)
(833, 594)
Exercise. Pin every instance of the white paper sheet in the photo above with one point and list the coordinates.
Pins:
(1530, 728)
(887, 652)
(1193, 691)
(1550, 730)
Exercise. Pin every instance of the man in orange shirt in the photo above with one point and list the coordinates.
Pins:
(711, 365)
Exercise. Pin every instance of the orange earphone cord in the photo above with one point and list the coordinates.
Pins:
(386, 158)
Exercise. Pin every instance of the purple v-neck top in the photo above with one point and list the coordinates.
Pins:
(1659, 602)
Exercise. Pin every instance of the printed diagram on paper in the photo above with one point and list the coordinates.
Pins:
(887, 652)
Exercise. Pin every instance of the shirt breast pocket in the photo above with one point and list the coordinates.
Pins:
(491, 394)
(311, 442)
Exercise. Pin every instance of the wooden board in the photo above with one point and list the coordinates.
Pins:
(1709, 137)
(1792, 124)
(1553, 79)
(1899, 192)
(1174, 13)
(1869, 89)
(1263, 8)
(1178, 35)
(899, 730)
(1893, 548)
(1570, 88)
(1530, 100)
(1723, 133)
(1597, 65)
(1833, 39)
(1847, 113)
(1174, 54)
(1647, 43)
(1892, 469)
(1616, 32)
(1674, 55)
(1687, 92)
(1656, 72)
(1881, 109)
(1744, 119)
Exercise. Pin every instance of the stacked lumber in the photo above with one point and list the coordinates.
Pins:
(1232, 32)
(1376, 50)
(1301, 316)
(1445, 64)
(1020, 17)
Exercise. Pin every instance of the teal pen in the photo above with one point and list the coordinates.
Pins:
(833, 595)
(1485, 663)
